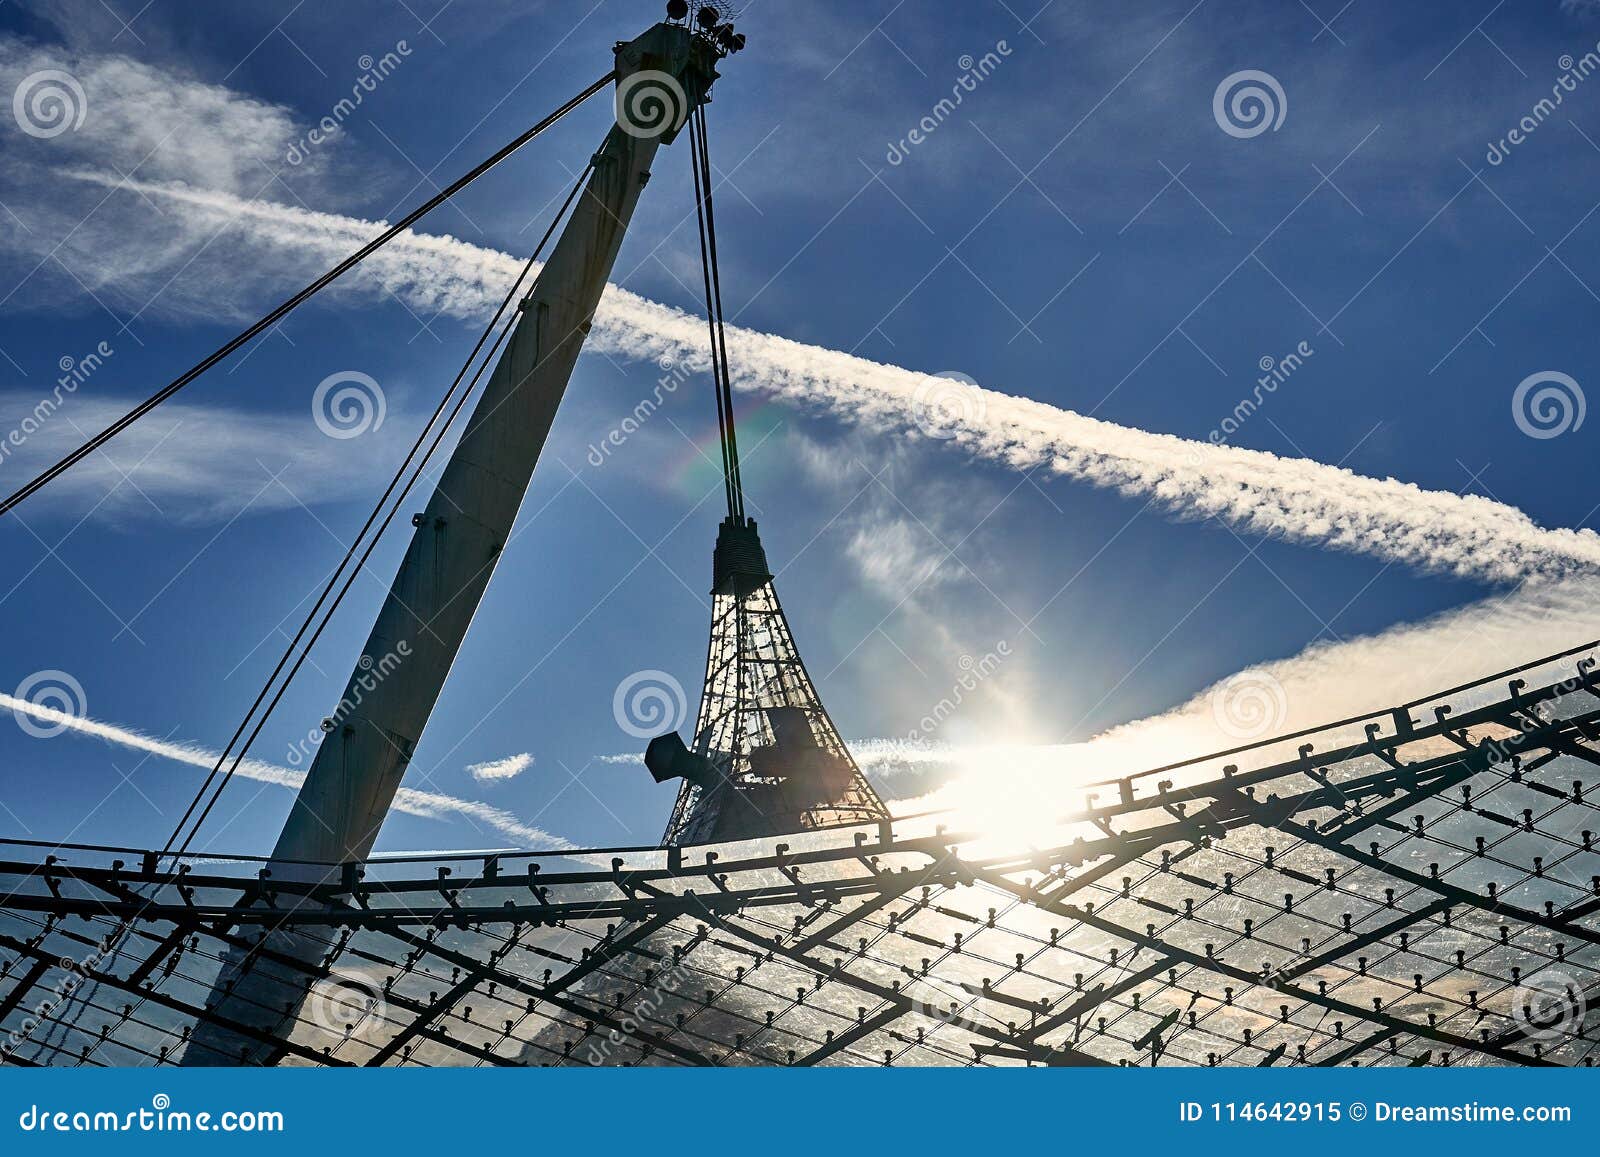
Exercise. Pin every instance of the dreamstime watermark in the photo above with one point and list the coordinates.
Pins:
(973, 73)
(1548, 404)
(74, 974)
(373, 73)
(1533, 717)
(1274, 373)
(945, 402)
(1248, 103)
(974, 673)
(649, 703)
(348, 404)
(160, 1117)
(369, 674)
(639, 1013)
(59, 696)
(677, 372)
(1249, 705)
(955, 1015)
(650, 104)
(343, 1001)
(48, 103)
(1549, 1006)
(74, 372)
(1573, 73)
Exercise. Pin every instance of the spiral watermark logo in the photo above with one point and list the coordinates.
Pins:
(945, 402)
(651, 104)
(348, 404)
(1549, 1007)
(344, 1001)
(57, 699)
(952, 1014)
(1249, 705)
(1548, 404)
(1248, 103)
(649, 703)
(48, 103)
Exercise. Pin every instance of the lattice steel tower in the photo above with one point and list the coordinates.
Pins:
(766, 757)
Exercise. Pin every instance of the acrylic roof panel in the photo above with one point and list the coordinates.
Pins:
(1425, 891)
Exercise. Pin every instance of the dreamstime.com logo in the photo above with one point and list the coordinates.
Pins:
(59, 698)
(1250, 705)
(945, 402)
(71, 976)
(1549, 1007)
(373, 73)
(160, 1117)
(343, 1002)
(1548, 404)
(74, 372)
(651, 104)
(974, 672)
(48, 103)
(675, 371)
(641, 1013)
(1248, 103)
(348, 404)
(973, 73)
(649, 703)
(368, 675)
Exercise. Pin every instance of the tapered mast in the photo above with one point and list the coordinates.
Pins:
(661, 78)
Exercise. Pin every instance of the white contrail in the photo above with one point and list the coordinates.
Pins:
(1255, 491)
(431, 805)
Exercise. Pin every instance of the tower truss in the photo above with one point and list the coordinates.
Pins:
(775, 759)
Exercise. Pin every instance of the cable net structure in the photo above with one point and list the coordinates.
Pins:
(1416, 887)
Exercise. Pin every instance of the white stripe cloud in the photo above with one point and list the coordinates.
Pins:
(428, 804)
(209, 149)
(1254, 491)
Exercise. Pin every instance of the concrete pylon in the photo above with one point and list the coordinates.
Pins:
(660, 78)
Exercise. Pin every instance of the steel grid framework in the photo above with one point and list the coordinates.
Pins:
(1422, 890)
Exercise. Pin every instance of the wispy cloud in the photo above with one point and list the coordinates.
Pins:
(1256, 492)
(428, 804)
(186, 206)
(191, 462)
(497, 769)
(1325, 682)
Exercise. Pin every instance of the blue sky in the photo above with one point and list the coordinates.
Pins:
(1081, 231)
